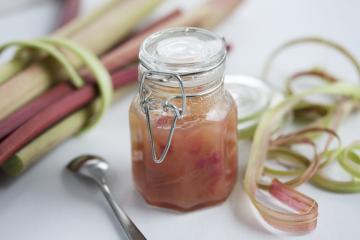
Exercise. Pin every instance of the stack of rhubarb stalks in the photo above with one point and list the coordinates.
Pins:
(39, 109)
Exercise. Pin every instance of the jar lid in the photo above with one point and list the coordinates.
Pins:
(182, 50)
(253, 97)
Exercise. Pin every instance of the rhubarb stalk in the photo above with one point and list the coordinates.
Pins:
(208, 15)
(81, 22)
(114, 25)
(71, 125)
(69, 10)
(19, 117)
(10, 68)
(27, 156)
(13, 121)
(56, 112)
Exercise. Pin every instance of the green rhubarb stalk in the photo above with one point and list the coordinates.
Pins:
(11, 68)
(45, 142)
(54, 136)
(97, 37)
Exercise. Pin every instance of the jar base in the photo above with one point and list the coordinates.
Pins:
(180, 209)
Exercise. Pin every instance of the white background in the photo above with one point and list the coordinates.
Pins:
(48, 202)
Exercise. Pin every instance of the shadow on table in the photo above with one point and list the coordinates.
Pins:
(241, 205)
(6, 181)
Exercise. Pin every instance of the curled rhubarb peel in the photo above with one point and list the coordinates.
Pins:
(317, 40)
(350, 160)
(283, 148)
(317, 72)
(299, 164)
(304, 217)
(309, 111)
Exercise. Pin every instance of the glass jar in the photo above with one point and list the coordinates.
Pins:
(183, 121)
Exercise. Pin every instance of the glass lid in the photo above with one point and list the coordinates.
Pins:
(252, 96)
(182, 50)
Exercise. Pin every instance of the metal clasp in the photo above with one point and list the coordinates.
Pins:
(178, 113)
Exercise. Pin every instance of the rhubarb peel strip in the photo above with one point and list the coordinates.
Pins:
(304, 218)
(317, 40)
(300, 163)
(53, 52)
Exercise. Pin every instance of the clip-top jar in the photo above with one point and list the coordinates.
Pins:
(183, 122)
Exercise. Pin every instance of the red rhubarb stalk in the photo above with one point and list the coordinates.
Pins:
(69, 11)
(56, 111)
(172, 15)
(148, 29)
(16, 119)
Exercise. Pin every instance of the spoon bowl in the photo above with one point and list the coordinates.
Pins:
(89, 166)
(94, 167)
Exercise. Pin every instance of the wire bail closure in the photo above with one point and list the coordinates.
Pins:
(145, 102)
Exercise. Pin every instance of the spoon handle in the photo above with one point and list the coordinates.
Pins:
(132, 232)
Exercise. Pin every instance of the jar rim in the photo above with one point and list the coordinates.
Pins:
(182, 51)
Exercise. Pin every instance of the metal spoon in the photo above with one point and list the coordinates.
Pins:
(94, 167)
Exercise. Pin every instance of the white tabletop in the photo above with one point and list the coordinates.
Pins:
(48, 202)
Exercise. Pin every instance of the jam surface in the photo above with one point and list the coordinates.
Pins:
(200, 167)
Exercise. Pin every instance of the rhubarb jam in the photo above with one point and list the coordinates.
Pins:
(200, 164)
